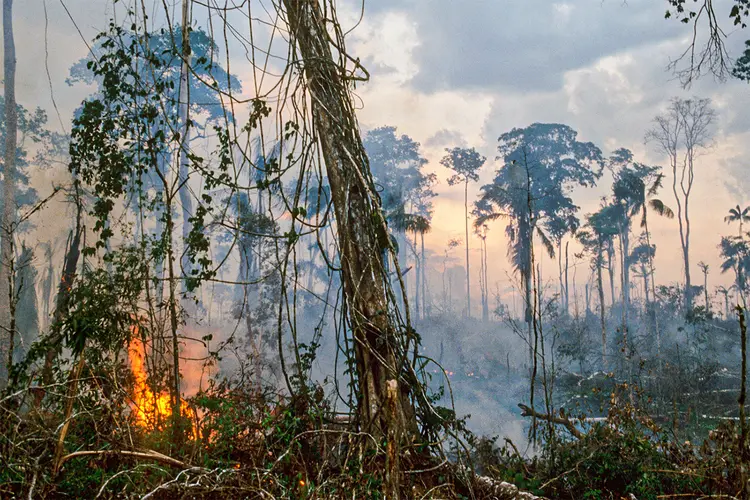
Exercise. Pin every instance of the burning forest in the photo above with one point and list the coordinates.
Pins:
(367, 249)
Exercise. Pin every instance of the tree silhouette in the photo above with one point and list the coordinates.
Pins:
(466, 164)
(531, 191)
(740, 215)
(596, 236)
(682, 133)
(736, 254)
(634, 190)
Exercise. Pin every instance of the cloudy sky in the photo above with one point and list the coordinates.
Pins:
(462, 73)
(449, 72)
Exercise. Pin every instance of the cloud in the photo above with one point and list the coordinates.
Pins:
(530, 45)
(445, 138)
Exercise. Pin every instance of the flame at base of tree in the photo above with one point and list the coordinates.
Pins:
(151, 411)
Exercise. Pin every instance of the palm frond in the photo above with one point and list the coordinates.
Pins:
(660, 208)
(656, 185)
(546, 242)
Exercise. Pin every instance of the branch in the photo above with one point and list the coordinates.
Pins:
(564, 421)
(147, 455)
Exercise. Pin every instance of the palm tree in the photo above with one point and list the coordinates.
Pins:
(737, 258)
(738, 215)
(466, 164)
(704, 269)
(637, 185)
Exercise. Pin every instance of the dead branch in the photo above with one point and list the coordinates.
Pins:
(147, 455)
(562, 420)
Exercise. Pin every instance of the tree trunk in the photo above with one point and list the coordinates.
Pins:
(600, 286)
(384, 407)
(653, 286)
(417, 279)
(184, 121)
(486, 305)
(560, 276)
(625, 281)
(705, 292)
(70, 266)
(9, 193)
(567, 291)
(611, 270)
(466, 221)
(424, 279)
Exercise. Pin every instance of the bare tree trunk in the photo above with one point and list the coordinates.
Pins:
(466, 221)
(486, 304)
(184, 121)
(602, 317)
(384, 407)
(611, 270)
(653, 286)
(9, 194)
(560, 275)
(70, 266)
(424, 279)
(417, 279)
(567, 291)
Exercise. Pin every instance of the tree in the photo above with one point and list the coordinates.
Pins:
(558, 229)
(162, 62)
(634, 190)
(736, 255)
(384, 407)
(713, 56)
(737, 214)
(596, 236)
(7, 327)
(725, 292)
(704, 269)
(466, 164)
(125, 134)
(682, 134)
(405, 191)
(531, 190)
(741, 68)
(641, 258)
(27, 315)
(481, 232)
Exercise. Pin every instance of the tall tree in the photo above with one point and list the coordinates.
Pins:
(682, 133)
(384, 407)
(596, 236)
(7, 327)
(531, 190)
(466, 164)
(633, 192)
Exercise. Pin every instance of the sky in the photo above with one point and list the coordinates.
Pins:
(460, 73)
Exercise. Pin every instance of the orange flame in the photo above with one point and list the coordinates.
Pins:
(150, 410)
